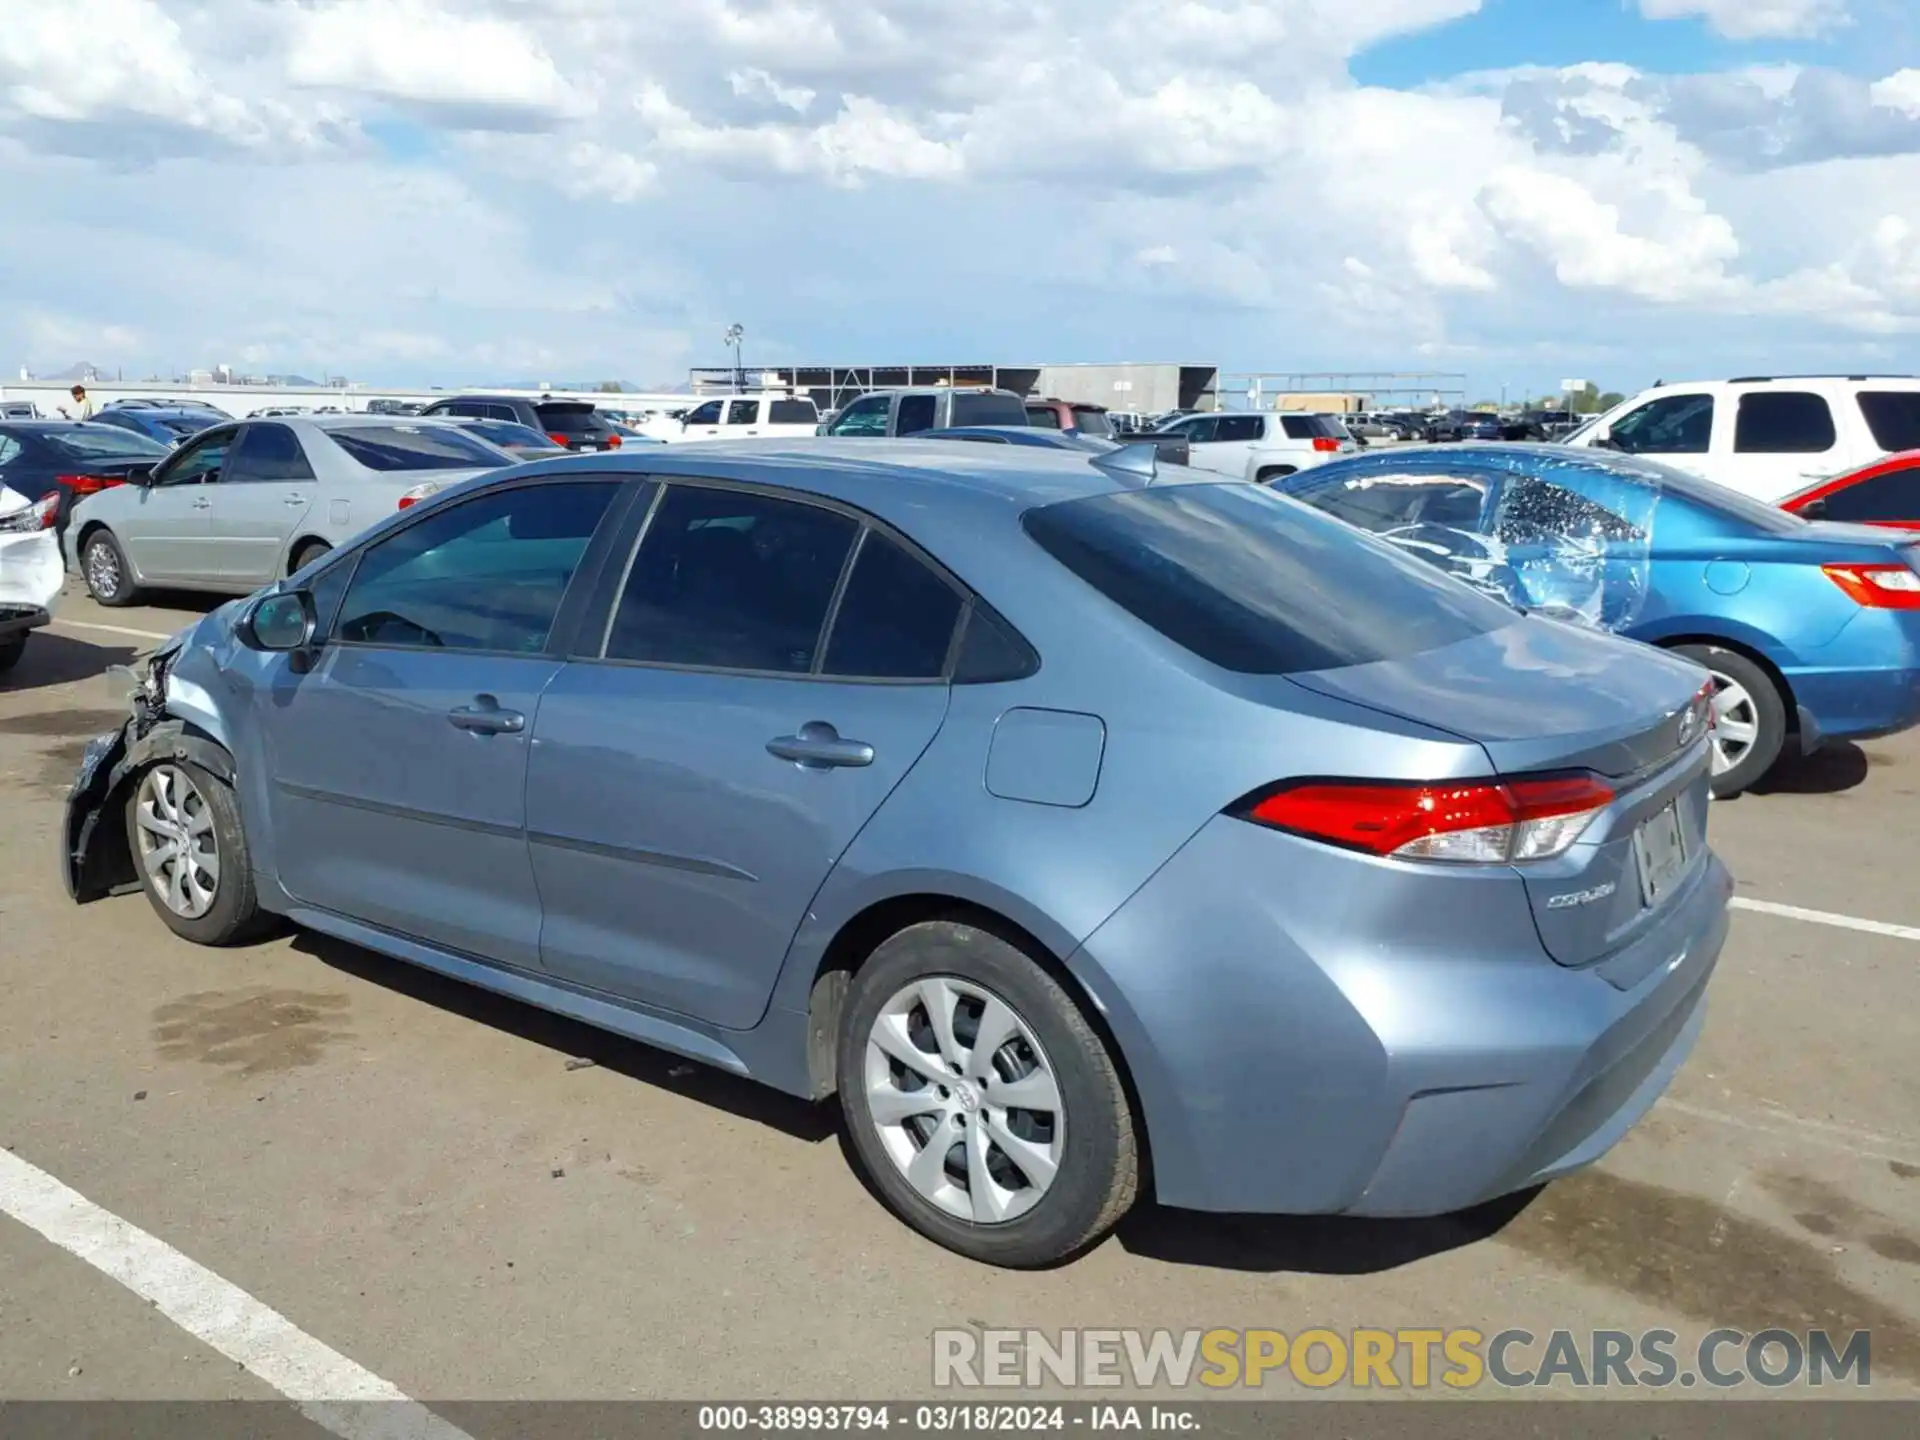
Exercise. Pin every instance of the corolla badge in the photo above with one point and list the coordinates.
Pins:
(1581, 897)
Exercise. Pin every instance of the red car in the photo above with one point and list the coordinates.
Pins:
(1887, 492)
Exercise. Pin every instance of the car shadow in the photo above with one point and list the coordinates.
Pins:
(1308, 1244)
(572, 1040)
(52, 659)
(1828, 771)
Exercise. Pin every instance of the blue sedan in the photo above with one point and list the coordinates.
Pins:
(1082, 829)
(1811, 631)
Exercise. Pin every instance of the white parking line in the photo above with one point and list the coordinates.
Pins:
(1827, 917)
(329, 1389)
(110, 629)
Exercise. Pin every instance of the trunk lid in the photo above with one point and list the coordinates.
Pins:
(1541, 696)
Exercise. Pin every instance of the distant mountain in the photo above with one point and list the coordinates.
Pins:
(81, 370)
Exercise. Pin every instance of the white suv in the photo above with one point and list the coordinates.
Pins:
(1260, 445)
(1765, 436)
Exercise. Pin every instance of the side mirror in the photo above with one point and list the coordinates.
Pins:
(280, 623)
(141, 475)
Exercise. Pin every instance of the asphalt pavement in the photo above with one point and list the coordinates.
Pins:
(367, 1173)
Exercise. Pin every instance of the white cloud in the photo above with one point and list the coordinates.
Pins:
(1899, 91)
(1755, 19)
(756, 84)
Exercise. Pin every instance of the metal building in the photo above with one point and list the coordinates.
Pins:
(1150, 388)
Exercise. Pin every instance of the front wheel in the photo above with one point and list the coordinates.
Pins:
(1749, 718)
(11, 651)
(103, 565)
(982, 1107)
(184, 829)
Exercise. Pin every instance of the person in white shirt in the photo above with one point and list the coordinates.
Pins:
(83, 406)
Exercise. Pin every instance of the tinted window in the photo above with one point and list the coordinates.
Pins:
(865, 416)
(1091, 422)
(707, 414)
(86, 442)
(506, 414)
(270, 452)
(916, 413)
(1894, 418)
(1198, 431)
(792, 412)
(991, 651)
(507, 432)
(1300, 427)
(486, 574)
(731, 580)
(1671, 425)
(569, 419)
(1390, 502)
(1238, 427)
(1892, 496)
(9, 447)
(1783, 422)
(742, 412)
(415, 447)
(197, 461)
(1044, 416)
(975, 408)
(896, 617)
(1255, 583)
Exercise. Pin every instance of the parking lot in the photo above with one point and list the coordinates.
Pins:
(430, 1187)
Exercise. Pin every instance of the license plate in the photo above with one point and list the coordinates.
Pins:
(1660, 844)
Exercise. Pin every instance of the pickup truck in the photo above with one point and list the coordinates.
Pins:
(776, 416)
(882, 413)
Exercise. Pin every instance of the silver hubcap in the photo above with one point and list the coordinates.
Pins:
(1736, 723)
(178, 851)
(103, 569)
(964, 1100)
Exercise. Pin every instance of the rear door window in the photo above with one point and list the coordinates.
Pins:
(896, 618)
(731, 580)
(1244, 579)
(1238, 427)
(743, 412)
(389, 448)
(1893, 417)
(987, 408)
(916, 413)
(1892, 496)
(792, 412)
(1783, 422)
(269, 453)
(1091, 422)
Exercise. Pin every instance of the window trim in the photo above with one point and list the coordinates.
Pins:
(604, 608)
(586, 575)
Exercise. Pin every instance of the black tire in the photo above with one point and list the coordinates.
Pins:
(307, 554)
(235, 914)
(11, 651)
(124, 591)
(1275, 472)
(1768, 709)
(1098, 1176)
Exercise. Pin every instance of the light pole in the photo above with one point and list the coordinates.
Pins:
(734, 335)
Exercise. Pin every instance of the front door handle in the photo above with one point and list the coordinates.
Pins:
(818, 746)
(201, 502)
(295, 500)
(485, 717)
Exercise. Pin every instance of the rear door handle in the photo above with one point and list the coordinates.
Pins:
(485, 717)
(296, 500)
(818, 746)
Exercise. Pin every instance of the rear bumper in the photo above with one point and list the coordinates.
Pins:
(19, 619)
(1854, 704)
(1304, 1045)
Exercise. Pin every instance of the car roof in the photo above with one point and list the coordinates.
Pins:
(895, 479)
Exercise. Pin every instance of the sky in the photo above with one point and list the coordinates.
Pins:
(452, 191)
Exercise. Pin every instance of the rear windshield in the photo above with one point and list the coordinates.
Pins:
(1690, 487)
(579, 419)
(101, 442)
(1309, 427)
(974, 409)
(1894, 418)
(1092, 422)
(508, 432)
(1255, 583)
(792, 412)
(181, 426)
(415, 447)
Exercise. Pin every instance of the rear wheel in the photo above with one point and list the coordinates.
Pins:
(983, 1108)
(183, 827)
(103, 565)
(1274, 472)
(1749, 718)
(307, 554)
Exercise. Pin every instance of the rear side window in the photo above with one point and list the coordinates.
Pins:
(1257, 584)
(743, 412)
(988, 409)
(269, 452)
(1092, 422)
(1783, 422)
(1894, 418)
(1299, 427)
(1892, 496)
(389, 448)
(916, 413)
(896, 617)
(792, 412)
(1043, 416)
(1238, 427)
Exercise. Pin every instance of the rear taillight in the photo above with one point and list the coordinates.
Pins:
(88, 484)
(560, 440)
(1878, 587)
(1326, 444)
(41, 515)
(613, 442)
(1467, 822)
(420, 492)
